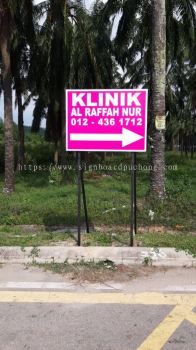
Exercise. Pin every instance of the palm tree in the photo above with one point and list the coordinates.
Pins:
(92, 58)
(74, 50)
(15, 25)
(158, 97)
(51, 58)
(21, 47)
(141, 51)
(181, 95)
(5, 36)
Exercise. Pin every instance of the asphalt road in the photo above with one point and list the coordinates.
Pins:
(40, 313)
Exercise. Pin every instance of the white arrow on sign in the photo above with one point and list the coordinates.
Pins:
(127, 137)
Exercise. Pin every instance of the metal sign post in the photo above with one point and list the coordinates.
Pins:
(79, 195)
(107, 120)
(84, 202)
(133, 218)
(81, 187)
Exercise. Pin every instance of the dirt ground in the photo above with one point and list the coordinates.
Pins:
(96, 274)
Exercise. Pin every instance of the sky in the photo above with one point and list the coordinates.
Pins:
(28, 113)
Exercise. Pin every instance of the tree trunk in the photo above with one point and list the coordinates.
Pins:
(56, 153)
(158, 99)
(8, 115)
(63, 129)
(186, 146)
(21, 136)
(192, 146)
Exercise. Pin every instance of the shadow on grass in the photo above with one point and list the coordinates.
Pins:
(61, 223)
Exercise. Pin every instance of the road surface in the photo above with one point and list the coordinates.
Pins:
(44, 311)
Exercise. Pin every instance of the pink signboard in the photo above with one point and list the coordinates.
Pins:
(106, 120)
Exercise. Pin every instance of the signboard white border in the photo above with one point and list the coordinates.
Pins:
(106, 150)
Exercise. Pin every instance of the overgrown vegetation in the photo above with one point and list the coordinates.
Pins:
(78, 266)
(48, 197)
(95, 272)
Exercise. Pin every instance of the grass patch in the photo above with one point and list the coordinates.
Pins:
(78, 266)
(97, 239)
(35, 239)
(179, 241)
(39, 201)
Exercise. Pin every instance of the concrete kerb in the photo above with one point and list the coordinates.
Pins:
(119, 255)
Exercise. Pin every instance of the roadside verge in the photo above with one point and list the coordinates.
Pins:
(118, 255)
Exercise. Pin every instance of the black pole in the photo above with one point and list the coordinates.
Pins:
(133, 228)
(79, 195)
(84, 202)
